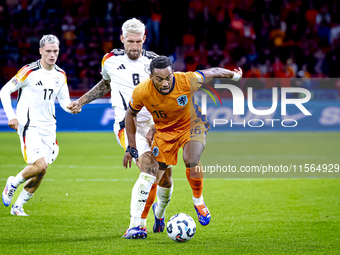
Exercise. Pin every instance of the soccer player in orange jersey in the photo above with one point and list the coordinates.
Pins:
(167, 96)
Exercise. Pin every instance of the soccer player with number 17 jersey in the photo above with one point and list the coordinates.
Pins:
(39, 84)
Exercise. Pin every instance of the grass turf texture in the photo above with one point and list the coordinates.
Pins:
(82, 205)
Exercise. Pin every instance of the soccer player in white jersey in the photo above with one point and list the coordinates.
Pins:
(122, 70)
(39, 84)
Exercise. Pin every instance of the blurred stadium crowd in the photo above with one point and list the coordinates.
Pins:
(267, 38)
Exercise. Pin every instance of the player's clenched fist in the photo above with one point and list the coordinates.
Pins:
(75, 107)
(239, 71)
(13, 123)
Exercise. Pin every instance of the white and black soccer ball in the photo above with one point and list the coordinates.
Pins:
(181, 227)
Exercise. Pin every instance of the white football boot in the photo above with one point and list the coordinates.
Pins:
(8, 192)
(18, 210)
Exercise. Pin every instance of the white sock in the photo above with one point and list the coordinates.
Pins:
(17, 180)
(142, 223)
(197, 201)
(23, 198)
(163, 200)
(140, 193)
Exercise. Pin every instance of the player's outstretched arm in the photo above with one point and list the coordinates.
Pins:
(217, 72)
(130, 128)
(102, 88)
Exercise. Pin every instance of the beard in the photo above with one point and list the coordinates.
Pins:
(133, 55)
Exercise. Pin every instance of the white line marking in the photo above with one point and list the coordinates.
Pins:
(175, 179)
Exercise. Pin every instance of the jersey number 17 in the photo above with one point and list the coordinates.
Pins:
(46, 93)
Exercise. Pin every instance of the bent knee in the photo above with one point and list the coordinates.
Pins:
(148, 164)
(191, 161)
(41, 167)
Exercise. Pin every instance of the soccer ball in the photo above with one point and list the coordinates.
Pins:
(181, 227)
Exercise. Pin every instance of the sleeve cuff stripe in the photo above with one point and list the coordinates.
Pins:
(202, 75)
(134, 110)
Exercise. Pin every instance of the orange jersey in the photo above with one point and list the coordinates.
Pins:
(172, 112)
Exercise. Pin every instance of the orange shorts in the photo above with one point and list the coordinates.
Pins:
(166, 151)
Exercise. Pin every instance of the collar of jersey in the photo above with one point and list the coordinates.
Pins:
(173, 86)
(42, 68)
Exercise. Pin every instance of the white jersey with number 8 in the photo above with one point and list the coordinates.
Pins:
(125, 74)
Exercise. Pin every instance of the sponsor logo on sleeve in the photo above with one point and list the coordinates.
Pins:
(15, 81)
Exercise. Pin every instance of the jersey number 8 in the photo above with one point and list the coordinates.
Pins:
(135, 79)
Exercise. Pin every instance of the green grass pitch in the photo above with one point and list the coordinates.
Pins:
(82, 205)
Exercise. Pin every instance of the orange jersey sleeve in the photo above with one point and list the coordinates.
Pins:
(190, 80)
(197, 79)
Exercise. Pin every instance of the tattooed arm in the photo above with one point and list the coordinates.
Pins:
(101, 89)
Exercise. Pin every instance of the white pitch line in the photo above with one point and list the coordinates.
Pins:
(9, 166)
(96, 180)
(67, 166)
(175, 179)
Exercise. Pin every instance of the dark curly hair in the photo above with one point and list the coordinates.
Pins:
(160, 62)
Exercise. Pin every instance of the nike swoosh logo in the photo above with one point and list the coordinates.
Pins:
(155, 104)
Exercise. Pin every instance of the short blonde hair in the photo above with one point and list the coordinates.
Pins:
(134, 26)
(48, 39)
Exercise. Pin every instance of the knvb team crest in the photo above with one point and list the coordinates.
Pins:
(155, 151)
(182, 100)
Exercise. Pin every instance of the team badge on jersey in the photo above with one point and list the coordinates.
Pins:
(147, 68)
(155, 151)
(56, 81)
(182, 100)
(15, 81)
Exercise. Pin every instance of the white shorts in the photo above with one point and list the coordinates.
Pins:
(35, 145)
(141, 141)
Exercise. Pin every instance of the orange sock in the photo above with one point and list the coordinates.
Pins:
(150, 201)
(195, 178)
